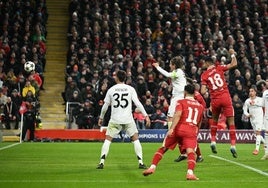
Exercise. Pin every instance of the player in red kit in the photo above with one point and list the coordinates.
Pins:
(213, 79)
(200, 99)
(183, 131)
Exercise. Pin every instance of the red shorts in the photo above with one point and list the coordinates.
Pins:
(222, 105)
(184, 139)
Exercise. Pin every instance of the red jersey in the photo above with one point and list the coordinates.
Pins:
(200, 99)
(214, 79)
(192, 113)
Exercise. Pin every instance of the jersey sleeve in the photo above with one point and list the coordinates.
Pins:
(165, 73)
(137, 102)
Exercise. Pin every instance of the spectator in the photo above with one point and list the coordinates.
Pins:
(158, 119)
(238, 105)
(29, 118)
(28, 87)
(85, 115)
(11, 114)
(139, 119)
(149, 108)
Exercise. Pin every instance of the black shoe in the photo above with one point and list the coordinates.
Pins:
(199, 159)
(180, 158)
(100, 166)
(213, 148)
(233, 151)
(142, 166)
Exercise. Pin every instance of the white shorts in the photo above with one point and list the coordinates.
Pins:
(172, 106)
(265, 123)
(113, 129)
(257, 125)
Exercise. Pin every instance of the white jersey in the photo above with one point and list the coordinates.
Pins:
(265, 100)
(254, 107)
(120, 97)
(178, 81)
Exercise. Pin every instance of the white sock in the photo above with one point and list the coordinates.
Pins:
(153, 166)
(138, 150)
(258, 142)
(105, 150)
(266, 143)
(189, 171)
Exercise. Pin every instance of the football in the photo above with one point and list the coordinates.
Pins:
(29, 66)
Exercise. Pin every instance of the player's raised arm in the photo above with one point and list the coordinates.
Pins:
(233, 59)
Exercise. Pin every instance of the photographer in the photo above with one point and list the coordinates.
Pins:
(29, 118)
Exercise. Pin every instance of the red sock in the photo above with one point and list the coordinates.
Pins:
(198, 151)
(232, 134)
(213, 130)
(191, 160)
(158, 155)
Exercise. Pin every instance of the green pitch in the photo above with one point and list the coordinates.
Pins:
(69, 164)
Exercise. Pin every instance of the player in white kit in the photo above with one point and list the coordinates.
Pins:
(263, 86)
(178, 81)
(120, 98)
(253, 109)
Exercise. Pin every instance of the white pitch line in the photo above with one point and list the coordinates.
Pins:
(240, 164)
(9, 146)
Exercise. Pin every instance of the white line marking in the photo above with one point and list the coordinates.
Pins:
(9, 146)
(240, 164)
(125, 181)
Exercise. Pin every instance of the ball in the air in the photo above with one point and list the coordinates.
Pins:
(29, 66)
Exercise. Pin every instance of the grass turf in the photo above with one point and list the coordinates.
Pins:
(69, 164)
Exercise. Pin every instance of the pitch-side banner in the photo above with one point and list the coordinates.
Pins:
(157, 135)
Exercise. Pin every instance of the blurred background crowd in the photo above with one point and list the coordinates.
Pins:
(105, 36)
(22, 38)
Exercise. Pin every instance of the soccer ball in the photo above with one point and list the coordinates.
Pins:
(29, 66)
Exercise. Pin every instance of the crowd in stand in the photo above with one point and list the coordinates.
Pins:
(108, 35)
(22, 39)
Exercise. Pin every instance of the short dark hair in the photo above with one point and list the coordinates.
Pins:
(189, 88)
(121, 75)
(208, 59)
(260, 85)
(254, 87)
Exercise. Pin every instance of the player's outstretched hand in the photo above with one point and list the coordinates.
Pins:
(155, 65)
(231, 51)
(148, 121)
(100, 122)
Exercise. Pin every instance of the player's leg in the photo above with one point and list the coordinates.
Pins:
(132, 132)
(257, 129)
(265, 157)
(156, 159)
(228, 111)
(104, 151)
(199, 157)
(182, 154)
(232, 134)
(190, 144)
(168, 143)
(138, 150)
(111, 131)
(213, 131)
(171, 110)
